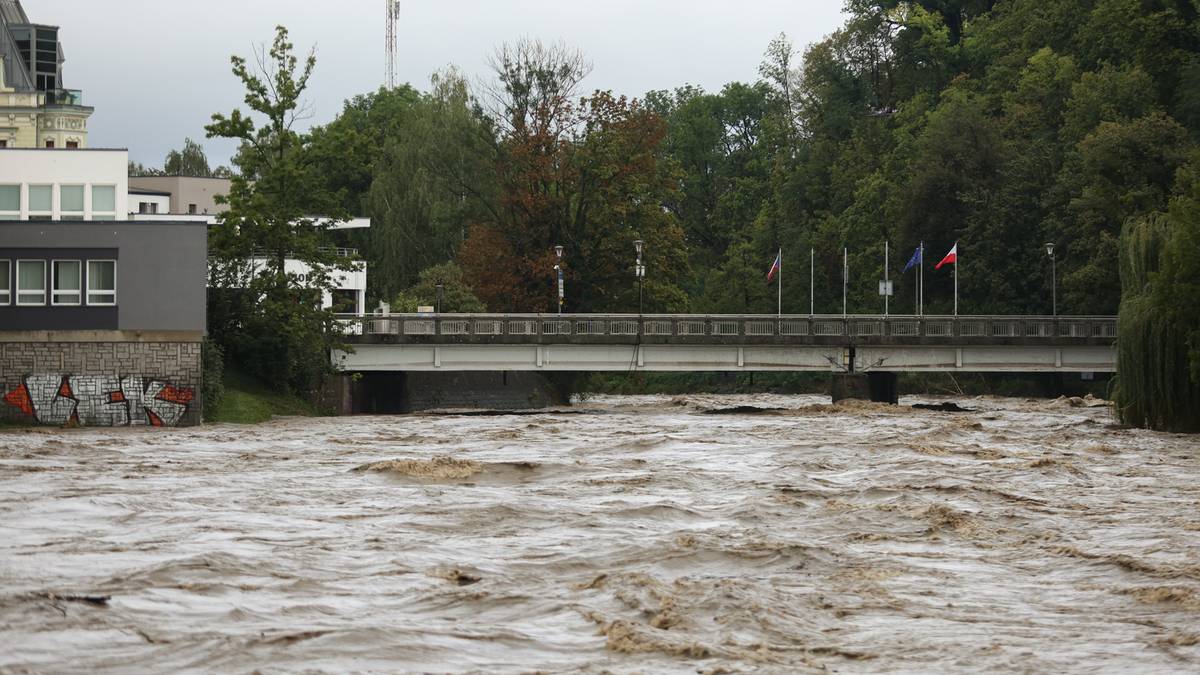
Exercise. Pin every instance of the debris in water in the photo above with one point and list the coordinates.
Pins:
(97, 600)
(442, 467)
(945, 406)
(456, 575)
(742, 410)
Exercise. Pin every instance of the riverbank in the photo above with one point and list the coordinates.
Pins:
(246, 400)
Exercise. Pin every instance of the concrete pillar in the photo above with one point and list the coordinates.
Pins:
(883, 387)
(849, 385)
(878, 387)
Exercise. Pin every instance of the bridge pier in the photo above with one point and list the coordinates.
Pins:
(880, 387)
(401, 392)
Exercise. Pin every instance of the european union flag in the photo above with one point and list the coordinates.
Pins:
(915, 260)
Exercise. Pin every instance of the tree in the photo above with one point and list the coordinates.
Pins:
(1120, 171)
(265, 316)
(434, 177)
(584, 174)
(453, 296)
(1158, 352)
(190, 161)
(347, 151)
(137, 169)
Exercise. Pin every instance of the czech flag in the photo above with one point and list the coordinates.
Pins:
(775, 266)
(950, 259)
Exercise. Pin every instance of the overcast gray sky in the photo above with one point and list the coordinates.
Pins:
(156, 70)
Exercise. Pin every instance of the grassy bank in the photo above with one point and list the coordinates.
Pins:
(249, 401)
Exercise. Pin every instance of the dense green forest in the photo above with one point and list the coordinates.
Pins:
(999, 125)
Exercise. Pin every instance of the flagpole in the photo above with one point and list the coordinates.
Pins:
(779, 292)
(845, 274)
(812, 275)
(885, 277)
(955, 278)
(917, 289)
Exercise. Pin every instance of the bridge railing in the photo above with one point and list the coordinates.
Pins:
(531, 326)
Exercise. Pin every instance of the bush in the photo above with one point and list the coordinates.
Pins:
(212, 366)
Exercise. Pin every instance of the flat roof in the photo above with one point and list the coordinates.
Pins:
(64, 149)
(183, 175)
(101, 223)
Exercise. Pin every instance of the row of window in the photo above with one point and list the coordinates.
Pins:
(71, 145)
(66, 283)
(70, 201)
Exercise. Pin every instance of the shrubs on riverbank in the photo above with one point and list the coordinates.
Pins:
(246, 400)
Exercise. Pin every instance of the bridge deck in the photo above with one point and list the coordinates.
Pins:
(725, 342)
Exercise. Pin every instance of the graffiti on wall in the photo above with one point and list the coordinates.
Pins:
(100, 400)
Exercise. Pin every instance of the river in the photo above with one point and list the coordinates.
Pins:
(652, 534)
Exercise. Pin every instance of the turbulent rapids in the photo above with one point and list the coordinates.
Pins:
(646, 533)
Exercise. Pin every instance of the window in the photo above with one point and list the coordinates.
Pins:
(5, 283)
(41, 201)
(72, 144)
(147, 207)
(70, 200)
(10, 201)
(66, 286)
(50, 143)
(102, 282)
(344, 301)
(31, 282)
(191, 208)
(104, 201)
(3, 142)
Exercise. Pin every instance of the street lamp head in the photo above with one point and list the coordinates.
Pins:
(1050, 248)
(638, 245)
(558, 251)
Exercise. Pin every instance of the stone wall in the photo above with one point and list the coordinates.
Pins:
(112, 379)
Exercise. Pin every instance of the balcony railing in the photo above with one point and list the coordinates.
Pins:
(63, 97)
(664, 327)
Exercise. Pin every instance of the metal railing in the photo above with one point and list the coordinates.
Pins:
(63, 97)
(691, 327)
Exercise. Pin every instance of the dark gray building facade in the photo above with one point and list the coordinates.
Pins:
(101, 322)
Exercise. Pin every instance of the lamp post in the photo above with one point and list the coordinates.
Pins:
(558, 251)
(1053, 279)
(439, 288)
(640, 271)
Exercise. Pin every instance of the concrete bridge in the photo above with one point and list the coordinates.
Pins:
(866, 348)
(621, 342)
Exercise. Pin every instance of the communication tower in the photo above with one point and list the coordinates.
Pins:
(393, 14)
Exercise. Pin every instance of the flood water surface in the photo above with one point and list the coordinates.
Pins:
(625, 534)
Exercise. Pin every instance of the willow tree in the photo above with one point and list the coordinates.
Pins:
(1158, 352)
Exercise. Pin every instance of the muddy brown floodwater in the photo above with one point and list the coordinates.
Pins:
(625, 534)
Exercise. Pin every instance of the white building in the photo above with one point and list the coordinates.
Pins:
(148, 202)
(61, 184)
(93, 184)
(349, 295)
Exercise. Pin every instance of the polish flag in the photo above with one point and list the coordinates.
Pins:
(950, 259)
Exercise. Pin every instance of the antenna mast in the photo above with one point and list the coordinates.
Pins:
(393, 13)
